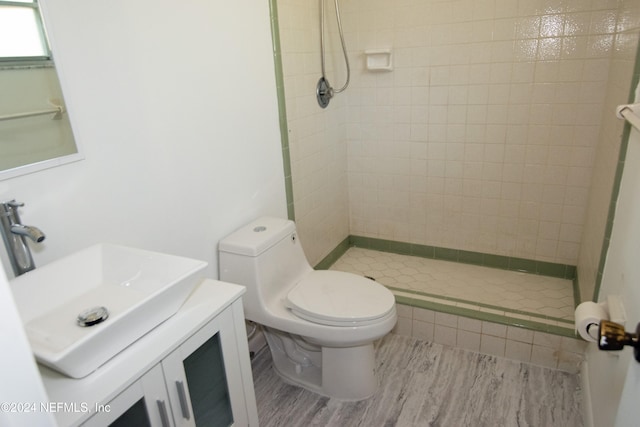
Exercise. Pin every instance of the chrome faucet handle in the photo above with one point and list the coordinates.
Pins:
(14, 204)
(9, 208)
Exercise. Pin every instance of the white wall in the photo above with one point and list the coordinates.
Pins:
(610, 374)
(175, 109)
(622, 274)
(20, 381)
(174, 105)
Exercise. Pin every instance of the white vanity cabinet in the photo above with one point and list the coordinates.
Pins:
(192, 370)
(134, 406)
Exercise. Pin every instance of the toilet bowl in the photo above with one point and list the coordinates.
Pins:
(319, 325)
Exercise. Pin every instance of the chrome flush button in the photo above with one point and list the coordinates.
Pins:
(260, 229)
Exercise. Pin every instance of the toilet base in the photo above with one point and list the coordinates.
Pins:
(345, 373)
(349, 373)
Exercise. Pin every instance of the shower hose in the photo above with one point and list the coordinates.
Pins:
(324, 91)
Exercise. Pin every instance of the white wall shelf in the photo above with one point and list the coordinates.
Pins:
(379, 59)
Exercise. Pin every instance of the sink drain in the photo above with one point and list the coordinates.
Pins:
(92, 316)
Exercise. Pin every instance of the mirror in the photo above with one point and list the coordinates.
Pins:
(35, 132)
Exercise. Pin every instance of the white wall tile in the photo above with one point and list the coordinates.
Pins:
(470, 325)
(492, 345)
(546, 340)
(423, 330)
(445, 335)
(518, 350)
(491, 338)
(404, 326)
(424, 315)
(494, 329)
(446, 319)
(544, 356)
(500, 63)
(468, 340)
(404, 311)
(519, 334)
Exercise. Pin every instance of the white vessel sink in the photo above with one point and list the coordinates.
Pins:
(140, 290)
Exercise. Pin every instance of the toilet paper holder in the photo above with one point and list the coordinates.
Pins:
(613, 337)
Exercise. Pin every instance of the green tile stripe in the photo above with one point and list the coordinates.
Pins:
(334, 255)
(542, 268)
(489, 317)
(282, 108)
(576, 292)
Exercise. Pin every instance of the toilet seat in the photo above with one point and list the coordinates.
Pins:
(336, 298)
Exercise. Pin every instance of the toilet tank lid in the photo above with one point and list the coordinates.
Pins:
(256, 237)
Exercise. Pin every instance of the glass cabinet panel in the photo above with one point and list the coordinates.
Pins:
(204, 369)
(137, 405)
(136, 415)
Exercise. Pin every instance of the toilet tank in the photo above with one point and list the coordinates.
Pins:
(267, 258)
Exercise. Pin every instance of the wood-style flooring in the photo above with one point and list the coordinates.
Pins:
(427, 384)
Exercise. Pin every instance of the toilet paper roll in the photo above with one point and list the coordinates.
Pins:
(587, 320)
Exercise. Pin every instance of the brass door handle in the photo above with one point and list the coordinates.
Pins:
(613, 337)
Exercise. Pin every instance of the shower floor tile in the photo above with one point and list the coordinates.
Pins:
(508, 293)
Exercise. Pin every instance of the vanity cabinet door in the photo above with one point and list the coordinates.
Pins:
(203, 377)
(144, 403)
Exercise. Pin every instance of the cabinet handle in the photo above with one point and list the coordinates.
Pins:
(182, 395)
(164, 416)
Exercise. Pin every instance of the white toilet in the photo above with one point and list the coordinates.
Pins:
(320, 325)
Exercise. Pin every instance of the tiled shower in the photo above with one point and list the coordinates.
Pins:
(494, 133)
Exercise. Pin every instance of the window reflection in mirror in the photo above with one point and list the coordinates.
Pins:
(35, 132)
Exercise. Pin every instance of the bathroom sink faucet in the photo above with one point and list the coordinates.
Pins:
(14, 233)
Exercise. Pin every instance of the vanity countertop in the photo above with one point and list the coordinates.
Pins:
(74, 400)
